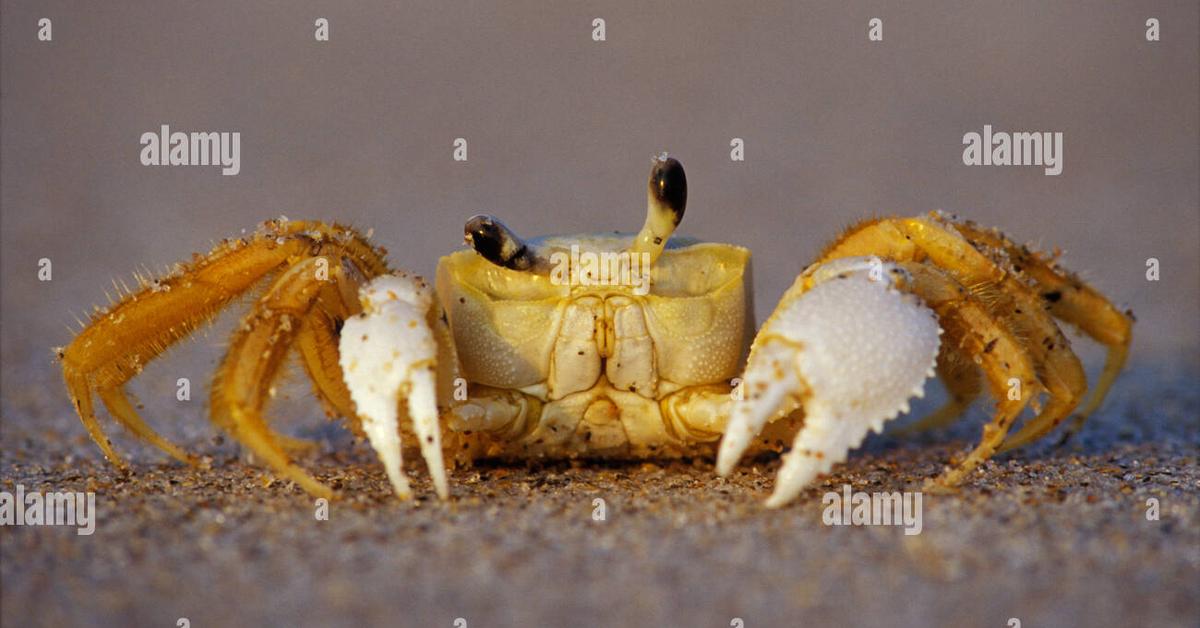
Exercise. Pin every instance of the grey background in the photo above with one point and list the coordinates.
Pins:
(560, 130)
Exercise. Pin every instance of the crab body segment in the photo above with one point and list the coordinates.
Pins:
(629, 346)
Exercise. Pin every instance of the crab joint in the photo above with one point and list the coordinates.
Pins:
(500, 246)
(666, 199)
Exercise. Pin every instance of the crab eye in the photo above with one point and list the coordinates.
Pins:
(668, 186)
(497, 243)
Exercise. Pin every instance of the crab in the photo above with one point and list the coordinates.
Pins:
(615, 346)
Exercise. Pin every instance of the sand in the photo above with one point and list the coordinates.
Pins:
(1051, 535)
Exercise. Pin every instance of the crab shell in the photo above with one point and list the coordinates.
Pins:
(549, 337)
(843, 353)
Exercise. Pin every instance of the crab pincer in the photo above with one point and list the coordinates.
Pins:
(392, 341)
(847, 348)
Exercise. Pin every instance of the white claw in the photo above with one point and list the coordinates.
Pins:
(422, 407)
(388, 352)
(766, 397)
(852, 350)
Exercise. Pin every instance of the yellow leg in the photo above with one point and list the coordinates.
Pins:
(118, 342)
(962, 382)
(1069, 299)
(879, 237)
(118, 405)
(258, 350)
(971, 333)
(318, 346)
(80, 391)
(990, 282)
(997, 286)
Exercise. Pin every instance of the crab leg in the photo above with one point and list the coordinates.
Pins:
(242, 385)
(389, 355)
(846, 346)
(118, 342)
(1071, 300)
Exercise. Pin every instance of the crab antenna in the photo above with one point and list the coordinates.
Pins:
(500, 246)
(666, 198)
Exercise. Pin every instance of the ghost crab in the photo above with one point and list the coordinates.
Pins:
(530, 349)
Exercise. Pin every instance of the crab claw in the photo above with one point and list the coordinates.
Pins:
(848, 347)
(389, 355)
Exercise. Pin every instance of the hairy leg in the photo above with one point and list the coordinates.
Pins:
(119, 341)
(935, 240)
(1069, 299)
(257, 351)
(317, 342)
(974, 333)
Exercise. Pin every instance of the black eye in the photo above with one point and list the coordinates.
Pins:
(669, 185)
(497, 243)
(486, 238)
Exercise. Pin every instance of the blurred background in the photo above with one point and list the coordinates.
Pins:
(560, 130)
